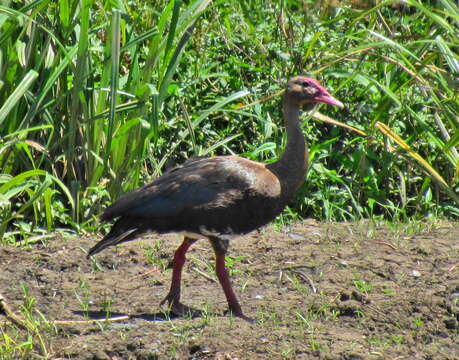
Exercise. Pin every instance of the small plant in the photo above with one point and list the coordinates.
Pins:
(335, 314)
(12, 347)
(231, 264)
(154, 256)
(397, 339)
(388, 291)
(362, 286)
(107, 307)
(269, 316)
(84, 297)
(182, 332)
(84, 304)
(418, 322)
(305, 321)
(207, 316)
(377, 342)
(288, 353)
(26, 337)
(314, 345)
(95, 265)
(297, 284)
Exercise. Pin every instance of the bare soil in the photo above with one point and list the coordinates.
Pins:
(317, 291)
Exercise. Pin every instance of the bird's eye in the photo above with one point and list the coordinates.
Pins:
(304, 83)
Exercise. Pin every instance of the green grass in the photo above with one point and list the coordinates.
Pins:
(363, 287)
(29, 338)
(98, 98)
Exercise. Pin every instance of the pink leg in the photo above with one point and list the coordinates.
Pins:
(225, 282)
(173, 297)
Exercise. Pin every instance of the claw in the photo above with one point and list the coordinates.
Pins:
(170, 299)
(238, 313)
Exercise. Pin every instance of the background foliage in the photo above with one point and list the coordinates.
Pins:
(98, 97)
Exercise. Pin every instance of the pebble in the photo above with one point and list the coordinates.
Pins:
(296, 236)
(415, 273)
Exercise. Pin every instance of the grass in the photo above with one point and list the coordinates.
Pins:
(99, 98)
(155, 256)
(363, 286)
(29, 335)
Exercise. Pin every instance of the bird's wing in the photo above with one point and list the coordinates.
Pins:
(203, 182)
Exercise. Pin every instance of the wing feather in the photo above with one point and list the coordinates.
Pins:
(200, 182)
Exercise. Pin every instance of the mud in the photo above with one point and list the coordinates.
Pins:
(316, 290)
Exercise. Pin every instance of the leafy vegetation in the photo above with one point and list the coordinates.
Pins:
(97, 97)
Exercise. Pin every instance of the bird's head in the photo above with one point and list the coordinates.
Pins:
(302, 90)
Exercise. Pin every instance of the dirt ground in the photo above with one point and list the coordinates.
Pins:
(317, 291)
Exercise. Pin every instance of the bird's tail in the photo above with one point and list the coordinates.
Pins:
(123, 230)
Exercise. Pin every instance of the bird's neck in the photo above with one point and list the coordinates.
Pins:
(292, 165)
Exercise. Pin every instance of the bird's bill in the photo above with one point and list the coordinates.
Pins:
(326, 98)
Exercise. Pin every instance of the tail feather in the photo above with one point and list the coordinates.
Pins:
(121, 231)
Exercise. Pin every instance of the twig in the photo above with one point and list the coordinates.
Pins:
(387, 244)
(10, 315)
(144, 274)
(203, 274)
(112, 319)
(306, 278)
(34, 239)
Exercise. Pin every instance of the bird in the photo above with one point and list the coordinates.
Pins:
(219, 197)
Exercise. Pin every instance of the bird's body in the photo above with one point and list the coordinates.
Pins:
(193, 198)
(217, 197)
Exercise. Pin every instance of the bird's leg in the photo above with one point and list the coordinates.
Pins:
(173, 297)
(221, 247)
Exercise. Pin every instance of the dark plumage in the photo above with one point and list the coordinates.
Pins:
(218, 197)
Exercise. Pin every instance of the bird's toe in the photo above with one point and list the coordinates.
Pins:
(240, 315)
(176, 308)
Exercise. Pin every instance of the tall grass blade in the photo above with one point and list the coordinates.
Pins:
(435, 175)
(317, 115)
(115, 61)
(17, 94)
(450, 57)
(139, 39)
(50, 82)
(165, 82)
(78, 102)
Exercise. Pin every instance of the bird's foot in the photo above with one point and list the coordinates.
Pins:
(170, 298)
(177, 308)
(238, 313)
